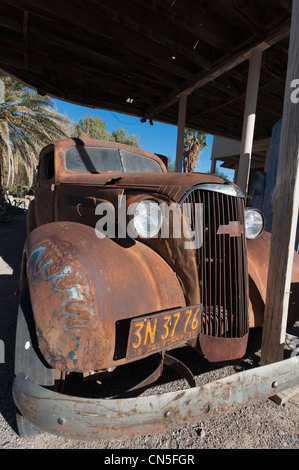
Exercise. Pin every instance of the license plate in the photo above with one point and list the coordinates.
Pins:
(155, 332)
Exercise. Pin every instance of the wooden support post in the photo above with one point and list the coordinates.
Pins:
(249, 117)
(285, 213)
(236, 173)
(282, 397)
(181, 130)
(213, 166)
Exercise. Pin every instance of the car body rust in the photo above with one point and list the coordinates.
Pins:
(100, 302)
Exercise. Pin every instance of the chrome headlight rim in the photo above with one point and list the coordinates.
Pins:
(144, 221)
(248, 211)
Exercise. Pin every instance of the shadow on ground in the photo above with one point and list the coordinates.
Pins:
(12, 239)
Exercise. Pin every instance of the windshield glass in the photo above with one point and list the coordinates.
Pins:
(96, 160)
(133, 163)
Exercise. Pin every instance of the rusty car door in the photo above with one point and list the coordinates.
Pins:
(44, 199)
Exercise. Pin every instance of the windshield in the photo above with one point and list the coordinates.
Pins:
(96, 160)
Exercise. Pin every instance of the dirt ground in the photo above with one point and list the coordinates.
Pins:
(264, 425)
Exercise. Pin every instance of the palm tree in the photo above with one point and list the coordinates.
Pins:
(194, 142)
(28, 121)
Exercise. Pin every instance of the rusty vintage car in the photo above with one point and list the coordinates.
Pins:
(91, 303)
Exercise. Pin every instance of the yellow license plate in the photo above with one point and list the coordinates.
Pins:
(159, 331)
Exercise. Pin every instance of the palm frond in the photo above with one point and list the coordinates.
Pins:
(27, 122)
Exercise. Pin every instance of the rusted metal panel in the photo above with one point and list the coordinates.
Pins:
(183, 262)
(77, 203)
(222, 349)
(122, 418)
(99, 303)
(81, 286)
(258, 252)
(215, 274)
(76, 197)
(44, 194)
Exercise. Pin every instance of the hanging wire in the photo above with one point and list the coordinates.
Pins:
(126, 123)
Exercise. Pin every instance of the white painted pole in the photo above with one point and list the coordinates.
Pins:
(249, 117)
(180, 134)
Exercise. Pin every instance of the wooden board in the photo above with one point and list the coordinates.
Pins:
(285, 214)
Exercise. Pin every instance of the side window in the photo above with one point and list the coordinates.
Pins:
(48, 166)
(134, 163)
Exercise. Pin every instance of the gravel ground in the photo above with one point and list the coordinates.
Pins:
(264, 425)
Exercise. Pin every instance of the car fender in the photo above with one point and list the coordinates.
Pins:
(81, 286)
(258, 253)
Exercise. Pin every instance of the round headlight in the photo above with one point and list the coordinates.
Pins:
(147, 218)
(254, 223)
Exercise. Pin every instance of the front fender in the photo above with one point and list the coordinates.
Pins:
(82, 286)
(258, 253)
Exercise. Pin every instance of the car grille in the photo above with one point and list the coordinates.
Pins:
(222, 265)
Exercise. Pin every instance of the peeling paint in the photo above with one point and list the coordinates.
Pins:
(72, 354)
(64, 305)
(73, 292)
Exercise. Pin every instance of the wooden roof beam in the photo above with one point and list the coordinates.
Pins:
(286, 4)
(201, 80)
(275, 104)
(248, 15)
(149, 29)
(222, 66)
(206, 28)
(136, 49)
(25, 38)
(139, 39)
(156, 73)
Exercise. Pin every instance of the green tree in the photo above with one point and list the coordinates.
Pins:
(121, 135)
(194, 142)
(95, 128)
(28, 121)
(171, 166)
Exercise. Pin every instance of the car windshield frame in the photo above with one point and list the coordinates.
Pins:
(113, 160)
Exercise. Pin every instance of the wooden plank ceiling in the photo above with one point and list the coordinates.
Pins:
(137, 56)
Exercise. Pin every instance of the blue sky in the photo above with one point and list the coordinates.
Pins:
(159, 138)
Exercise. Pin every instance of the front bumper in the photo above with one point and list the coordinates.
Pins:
(84, 418)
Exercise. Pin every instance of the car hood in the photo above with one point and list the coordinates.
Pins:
(172, 185)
